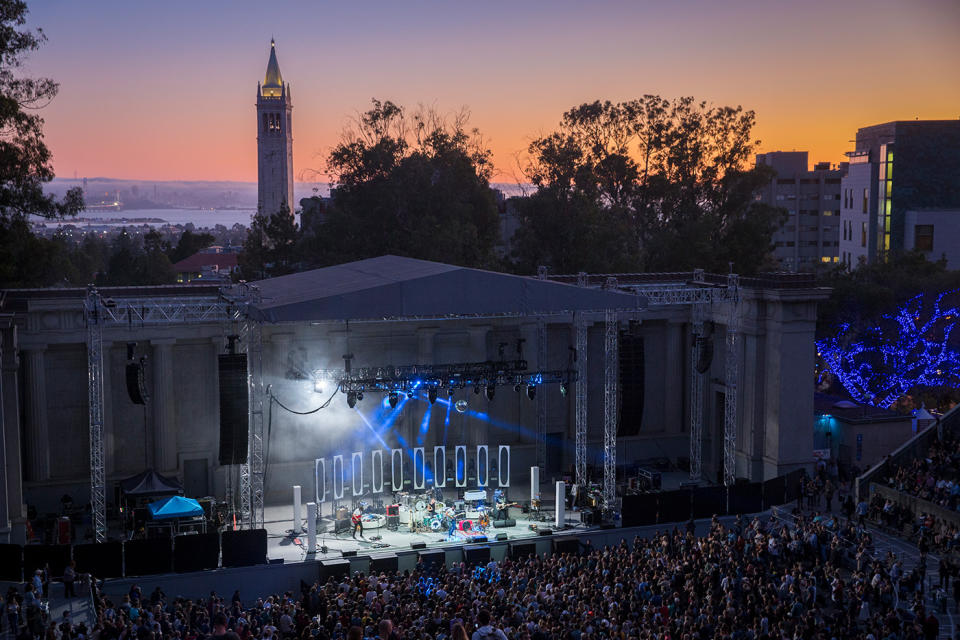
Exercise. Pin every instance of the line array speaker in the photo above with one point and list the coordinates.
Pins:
(233, 408)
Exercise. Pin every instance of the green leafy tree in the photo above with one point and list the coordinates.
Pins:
(24, 157)
(648, 184)
(189, 244)
(412, 185)
(271, 246)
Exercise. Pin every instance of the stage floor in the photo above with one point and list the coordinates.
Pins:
(282, 543)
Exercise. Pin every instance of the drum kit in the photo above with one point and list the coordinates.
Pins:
(416, 513)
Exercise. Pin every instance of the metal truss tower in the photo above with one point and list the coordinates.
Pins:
(580, 399)
(732, 383)
(542, 398)
(696, 389)
(611, 346)
(128, 313)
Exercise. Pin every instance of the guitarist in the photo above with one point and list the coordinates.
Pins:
(357, 520)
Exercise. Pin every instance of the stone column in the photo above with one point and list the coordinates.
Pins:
(164, 415)
(38, 439)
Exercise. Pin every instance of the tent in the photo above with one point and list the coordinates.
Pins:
(150, 483)
(174, 507)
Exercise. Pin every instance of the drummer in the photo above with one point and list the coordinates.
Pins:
(432, 507)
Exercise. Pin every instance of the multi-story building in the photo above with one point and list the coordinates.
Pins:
(903, 180)
(810, 236)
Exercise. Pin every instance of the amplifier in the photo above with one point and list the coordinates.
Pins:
(393, 510)
(393, 522)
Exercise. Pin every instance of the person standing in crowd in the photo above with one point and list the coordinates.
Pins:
(69, 576)
(485, 630)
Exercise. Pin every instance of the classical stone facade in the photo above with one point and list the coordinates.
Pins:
(44, 356)
(274, 141)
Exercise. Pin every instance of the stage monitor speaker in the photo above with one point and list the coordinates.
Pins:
(500, 524)
(393, 522)
(342, 525)
(104, 560)
(275, 561)
(476, 555)
(501, 536)
(544, 532)
(147, 557)
(136, 382)
(433, 558)
(418, 545)
(349, 554)
(196, 552)
(478, 539)
(244, 548)
(11, 562)
(386, 564)
(234, 408)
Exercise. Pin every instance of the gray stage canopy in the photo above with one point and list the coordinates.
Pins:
(395, 287)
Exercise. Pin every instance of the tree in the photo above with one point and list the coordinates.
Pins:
(655, 184)
(271, 246)
(411, 185)
(24, 157)
(189, 244)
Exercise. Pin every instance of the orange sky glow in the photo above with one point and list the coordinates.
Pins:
(166, 91)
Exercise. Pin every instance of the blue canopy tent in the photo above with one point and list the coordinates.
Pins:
(174, 507)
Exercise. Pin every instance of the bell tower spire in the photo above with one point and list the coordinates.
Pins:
(274, 141)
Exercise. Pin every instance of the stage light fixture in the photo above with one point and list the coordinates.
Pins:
(432, 394)
(490, 391)
(461, 406)
(359, 395)
(563, 388)
(532, 391)
(317, 387)
(393, 398)
(351, 399)
(450, 392)
(517, 387)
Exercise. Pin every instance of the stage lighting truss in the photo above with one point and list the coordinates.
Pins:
(430, 379)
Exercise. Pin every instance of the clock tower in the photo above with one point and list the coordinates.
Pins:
(274, 141)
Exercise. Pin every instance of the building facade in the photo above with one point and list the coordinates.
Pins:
(809, 239)
(899, 167)
(274, 141)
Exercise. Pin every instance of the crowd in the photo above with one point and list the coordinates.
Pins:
(934, 477)
(807, 577)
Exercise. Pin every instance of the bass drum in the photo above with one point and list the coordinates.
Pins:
(404, 514)
(465, 525)
(435, 523)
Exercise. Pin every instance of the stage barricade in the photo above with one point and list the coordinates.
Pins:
(639, 510)
(476, 555)
(104, 560)
(674, 506)
(147, 557)
(244, 548)
(385, 564)
(793, 485)
(11, 562)
(520, 550)
(774, 491)
(196, 552)
(709, 501)
(746, 498)
(35, 556)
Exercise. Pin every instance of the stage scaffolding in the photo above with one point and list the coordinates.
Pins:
(232, 308)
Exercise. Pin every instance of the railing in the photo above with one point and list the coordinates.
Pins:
(917, 506)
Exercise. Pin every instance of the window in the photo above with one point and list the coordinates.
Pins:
(866, 197)
(809, 228)
(786, 181)
(832, 181)
(791, 243)
(824, 258)
(863, 234)
(809, 181)
(786, 196)
(923, 237)
(828, 212)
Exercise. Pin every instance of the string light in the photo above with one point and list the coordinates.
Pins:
(905, 350)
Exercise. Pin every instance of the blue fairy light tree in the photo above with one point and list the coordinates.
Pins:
(905, 350)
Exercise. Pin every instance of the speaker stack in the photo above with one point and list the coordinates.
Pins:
(233, 408)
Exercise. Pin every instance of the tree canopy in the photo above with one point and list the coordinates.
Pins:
(412, 184)
(646, 185)
(24, 157)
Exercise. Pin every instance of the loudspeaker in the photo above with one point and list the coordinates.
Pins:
(393, 522)
(476, 555)
(349, 554)
(478, 539)
(275, 561)
(233, 408)
(244, 548)
(386, 564)
(566, 544)
(136, 382)
(500, 524)
(147, 557)
(342, 525)
(544, 532)
(35, 556)
(11, 562)
(432, 558)
(197, 552)
(522, 549)
(104, 560)
(393, 510)
(501, 537)
(334, 568)
(418, 545)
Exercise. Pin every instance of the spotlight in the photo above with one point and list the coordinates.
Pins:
(410, 395)
(563, 388)
(359, 395)
(432, 394)
(450, 392)
(490, 391)
(317, 388)
(393, 399)
(461, 406)
(351, 399)
(516, 387)
(532, 391)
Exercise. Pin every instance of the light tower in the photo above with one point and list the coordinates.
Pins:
(274, 141)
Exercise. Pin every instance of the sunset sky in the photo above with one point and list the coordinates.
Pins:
(166, 90)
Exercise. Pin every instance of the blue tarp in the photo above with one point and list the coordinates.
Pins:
(174, 507)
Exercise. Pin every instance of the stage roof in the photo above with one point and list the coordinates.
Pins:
(395, 287)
